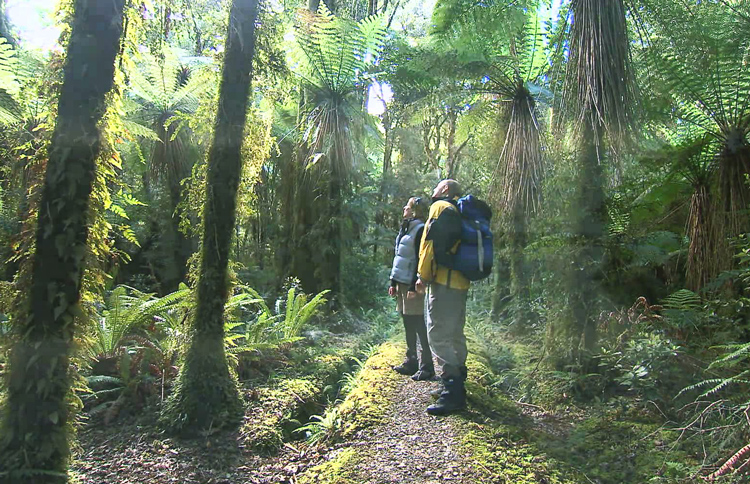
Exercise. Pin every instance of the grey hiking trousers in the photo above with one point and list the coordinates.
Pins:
(446, 317)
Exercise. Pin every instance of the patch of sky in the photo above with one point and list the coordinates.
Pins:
(34, 22)
(378, 96)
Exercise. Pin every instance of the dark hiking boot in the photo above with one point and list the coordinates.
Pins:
(451, 400)
(408, 367)
(423, 375)
(439, 390)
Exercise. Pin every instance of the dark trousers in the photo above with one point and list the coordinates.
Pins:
(416, 330)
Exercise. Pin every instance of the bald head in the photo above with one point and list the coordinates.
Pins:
(447, 189)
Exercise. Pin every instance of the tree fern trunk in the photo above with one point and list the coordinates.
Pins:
(519, 279)
(585, 274)
(182, 248)
(206, 394)
(501, 291)
(573, 336)
(36, 418)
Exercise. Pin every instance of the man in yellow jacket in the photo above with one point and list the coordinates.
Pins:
(446, 307)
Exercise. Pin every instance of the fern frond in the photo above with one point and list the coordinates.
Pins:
(737, 351)
(140, 131)
(682, 300)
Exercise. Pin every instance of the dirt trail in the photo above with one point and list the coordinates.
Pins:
(411, 446)
(406, 446)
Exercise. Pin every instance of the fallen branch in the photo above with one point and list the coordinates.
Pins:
(729, 465)
(532, 406)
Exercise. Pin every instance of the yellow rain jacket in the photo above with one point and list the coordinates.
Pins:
(429, 271)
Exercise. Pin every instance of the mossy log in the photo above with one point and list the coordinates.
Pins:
(277, 410)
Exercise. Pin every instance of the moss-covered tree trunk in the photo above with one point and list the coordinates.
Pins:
(206, 394)
(584, 275)
(519, 274)
(36, 418)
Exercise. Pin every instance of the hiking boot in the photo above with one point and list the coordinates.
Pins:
(439, 390)
(408, 367)
(451, 400)
(423, 375)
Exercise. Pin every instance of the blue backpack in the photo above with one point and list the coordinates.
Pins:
(463, 241)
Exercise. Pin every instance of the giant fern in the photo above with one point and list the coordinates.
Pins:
(709, 85)
(332, 56)
(162, 92)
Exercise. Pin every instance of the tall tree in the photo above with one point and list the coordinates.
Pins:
(516, 80)
(333, 56)
(167, 92)
(36, 418)
(206, 394)
(600, 95)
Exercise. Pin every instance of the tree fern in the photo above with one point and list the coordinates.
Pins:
(161, 89)
(332, 56)
(10, 111)
(709, 84)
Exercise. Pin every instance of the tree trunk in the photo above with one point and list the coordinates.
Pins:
(501, 291)
(206, 394)
(182, 247)
(5, 25)
(519, 279)
(36, 422)
(388, 126)
(584, 275)
(297, 256)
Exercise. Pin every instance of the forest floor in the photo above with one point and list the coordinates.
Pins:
(381, 434)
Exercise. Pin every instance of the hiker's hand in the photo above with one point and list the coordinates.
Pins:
(411, 295)
(420, 286)
(392, 291)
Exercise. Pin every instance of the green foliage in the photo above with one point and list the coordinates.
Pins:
(335, 50)
(10, 111)
(127, 311)
(333, 56)
(324, 428)
(268, 330)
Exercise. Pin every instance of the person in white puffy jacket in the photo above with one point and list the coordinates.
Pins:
(410, 303)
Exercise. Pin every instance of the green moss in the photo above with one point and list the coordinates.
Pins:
(607, 444)
(206, 394)
(496, 440)
(276, 410)
(516, 461)
(364, 406)
(334, 471)
(609, 450)
(268, 419)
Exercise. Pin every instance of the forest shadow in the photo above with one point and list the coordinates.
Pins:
(595, 445)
